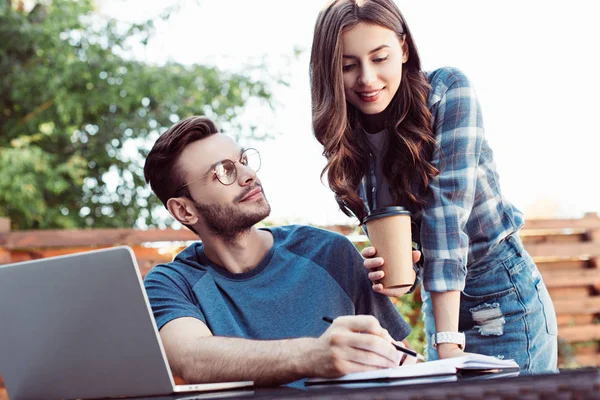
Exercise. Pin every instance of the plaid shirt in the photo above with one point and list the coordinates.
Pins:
(465, 213)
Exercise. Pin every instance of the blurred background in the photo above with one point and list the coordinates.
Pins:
(87, 86)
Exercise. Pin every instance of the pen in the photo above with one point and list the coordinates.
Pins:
(404, 350)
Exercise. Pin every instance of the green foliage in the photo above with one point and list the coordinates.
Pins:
(77, 116)
(409, 307)
(567, 353)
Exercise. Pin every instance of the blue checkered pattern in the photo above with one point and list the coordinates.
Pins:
(466, 213)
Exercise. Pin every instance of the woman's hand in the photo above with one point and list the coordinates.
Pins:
(374, 264)
(449, 350)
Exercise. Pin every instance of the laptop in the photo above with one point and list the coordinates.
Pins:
(81, 326)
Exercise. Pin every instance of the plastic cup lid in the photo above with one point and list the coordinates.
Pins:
(386, 212)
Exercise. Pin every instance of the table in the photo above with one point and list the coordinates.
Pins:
(583, 383)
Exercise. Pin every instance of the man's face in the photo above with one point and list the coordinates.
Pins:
(226, 210)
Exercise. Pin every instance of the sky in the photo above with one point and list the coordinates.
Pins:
(532, 63)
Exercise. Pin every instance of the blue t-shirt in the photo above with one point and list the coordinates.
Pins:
(307, 274)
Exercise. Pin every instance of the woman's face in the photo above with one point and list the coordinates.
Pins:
(372, 67)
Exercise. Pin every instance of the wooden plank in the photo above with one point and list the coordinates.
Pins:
(571, 320)
(345, 230)
(4, 256)
(91, 237)
(109, 237)
(105, 237)
(544, 266)
(554, 238)
(145, 266)
(4, 225)
(149, 255)
(588, 360)
(586, 348)
(590, 305)
(573, 250)
(20, 256)
(33, 254)
(595, 263)
(589, 221)
(570, 278)
(581, 333)
(594, 236)
(141, 253)
(569, 292)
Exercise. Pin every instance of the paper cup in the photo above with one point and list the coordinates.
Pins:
(389, 232)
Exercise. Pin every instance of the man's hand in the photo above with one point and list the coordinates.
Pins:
(353, 344)
(374, 264)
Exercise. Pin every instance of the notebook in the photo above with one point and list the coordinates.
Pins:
(80, 326)
(472, 363)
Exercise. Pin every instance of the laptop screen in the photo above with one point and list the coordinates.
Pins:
(79, 326)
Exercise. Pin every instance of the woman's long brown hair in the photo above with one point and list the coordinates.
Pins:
(337, 124)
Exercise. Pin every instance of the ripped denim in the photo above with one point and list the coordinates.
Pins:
(505, 310)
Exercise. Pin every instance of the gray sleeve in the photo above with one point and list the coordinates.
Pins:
(346, 266)
(169, 298)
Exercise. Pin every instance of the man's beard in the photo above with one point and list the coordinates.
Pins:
(228, 221)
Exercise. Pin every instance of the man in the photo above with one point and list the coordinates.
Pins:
(248, 303)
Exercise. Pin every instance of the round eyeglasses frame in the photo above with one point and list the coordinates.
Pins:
(226, 171)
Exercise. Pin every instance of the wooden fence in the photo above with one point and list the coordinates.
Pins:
(567, 252)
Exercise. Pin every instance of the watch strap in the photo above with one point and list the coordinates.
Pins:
(448, 337)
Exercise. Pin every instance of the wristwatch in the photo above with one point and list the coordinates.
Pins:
(448, 337)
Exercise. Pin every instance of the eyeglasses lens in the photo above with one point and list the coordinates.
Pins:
(226, 172)
(251, 158)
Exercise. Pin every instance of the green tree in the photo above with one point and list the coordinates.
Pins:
(77, 114)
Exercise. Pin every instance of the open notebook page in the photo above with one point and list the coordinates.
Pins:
(449, 366)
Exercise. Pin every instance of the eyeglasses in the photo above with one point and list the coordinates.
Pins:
(225, 170)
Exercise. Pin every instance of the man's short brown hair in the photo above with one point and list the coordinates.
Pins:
(161, 169)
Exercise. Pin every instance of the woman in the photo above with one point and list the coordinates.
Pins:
(395, 135)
